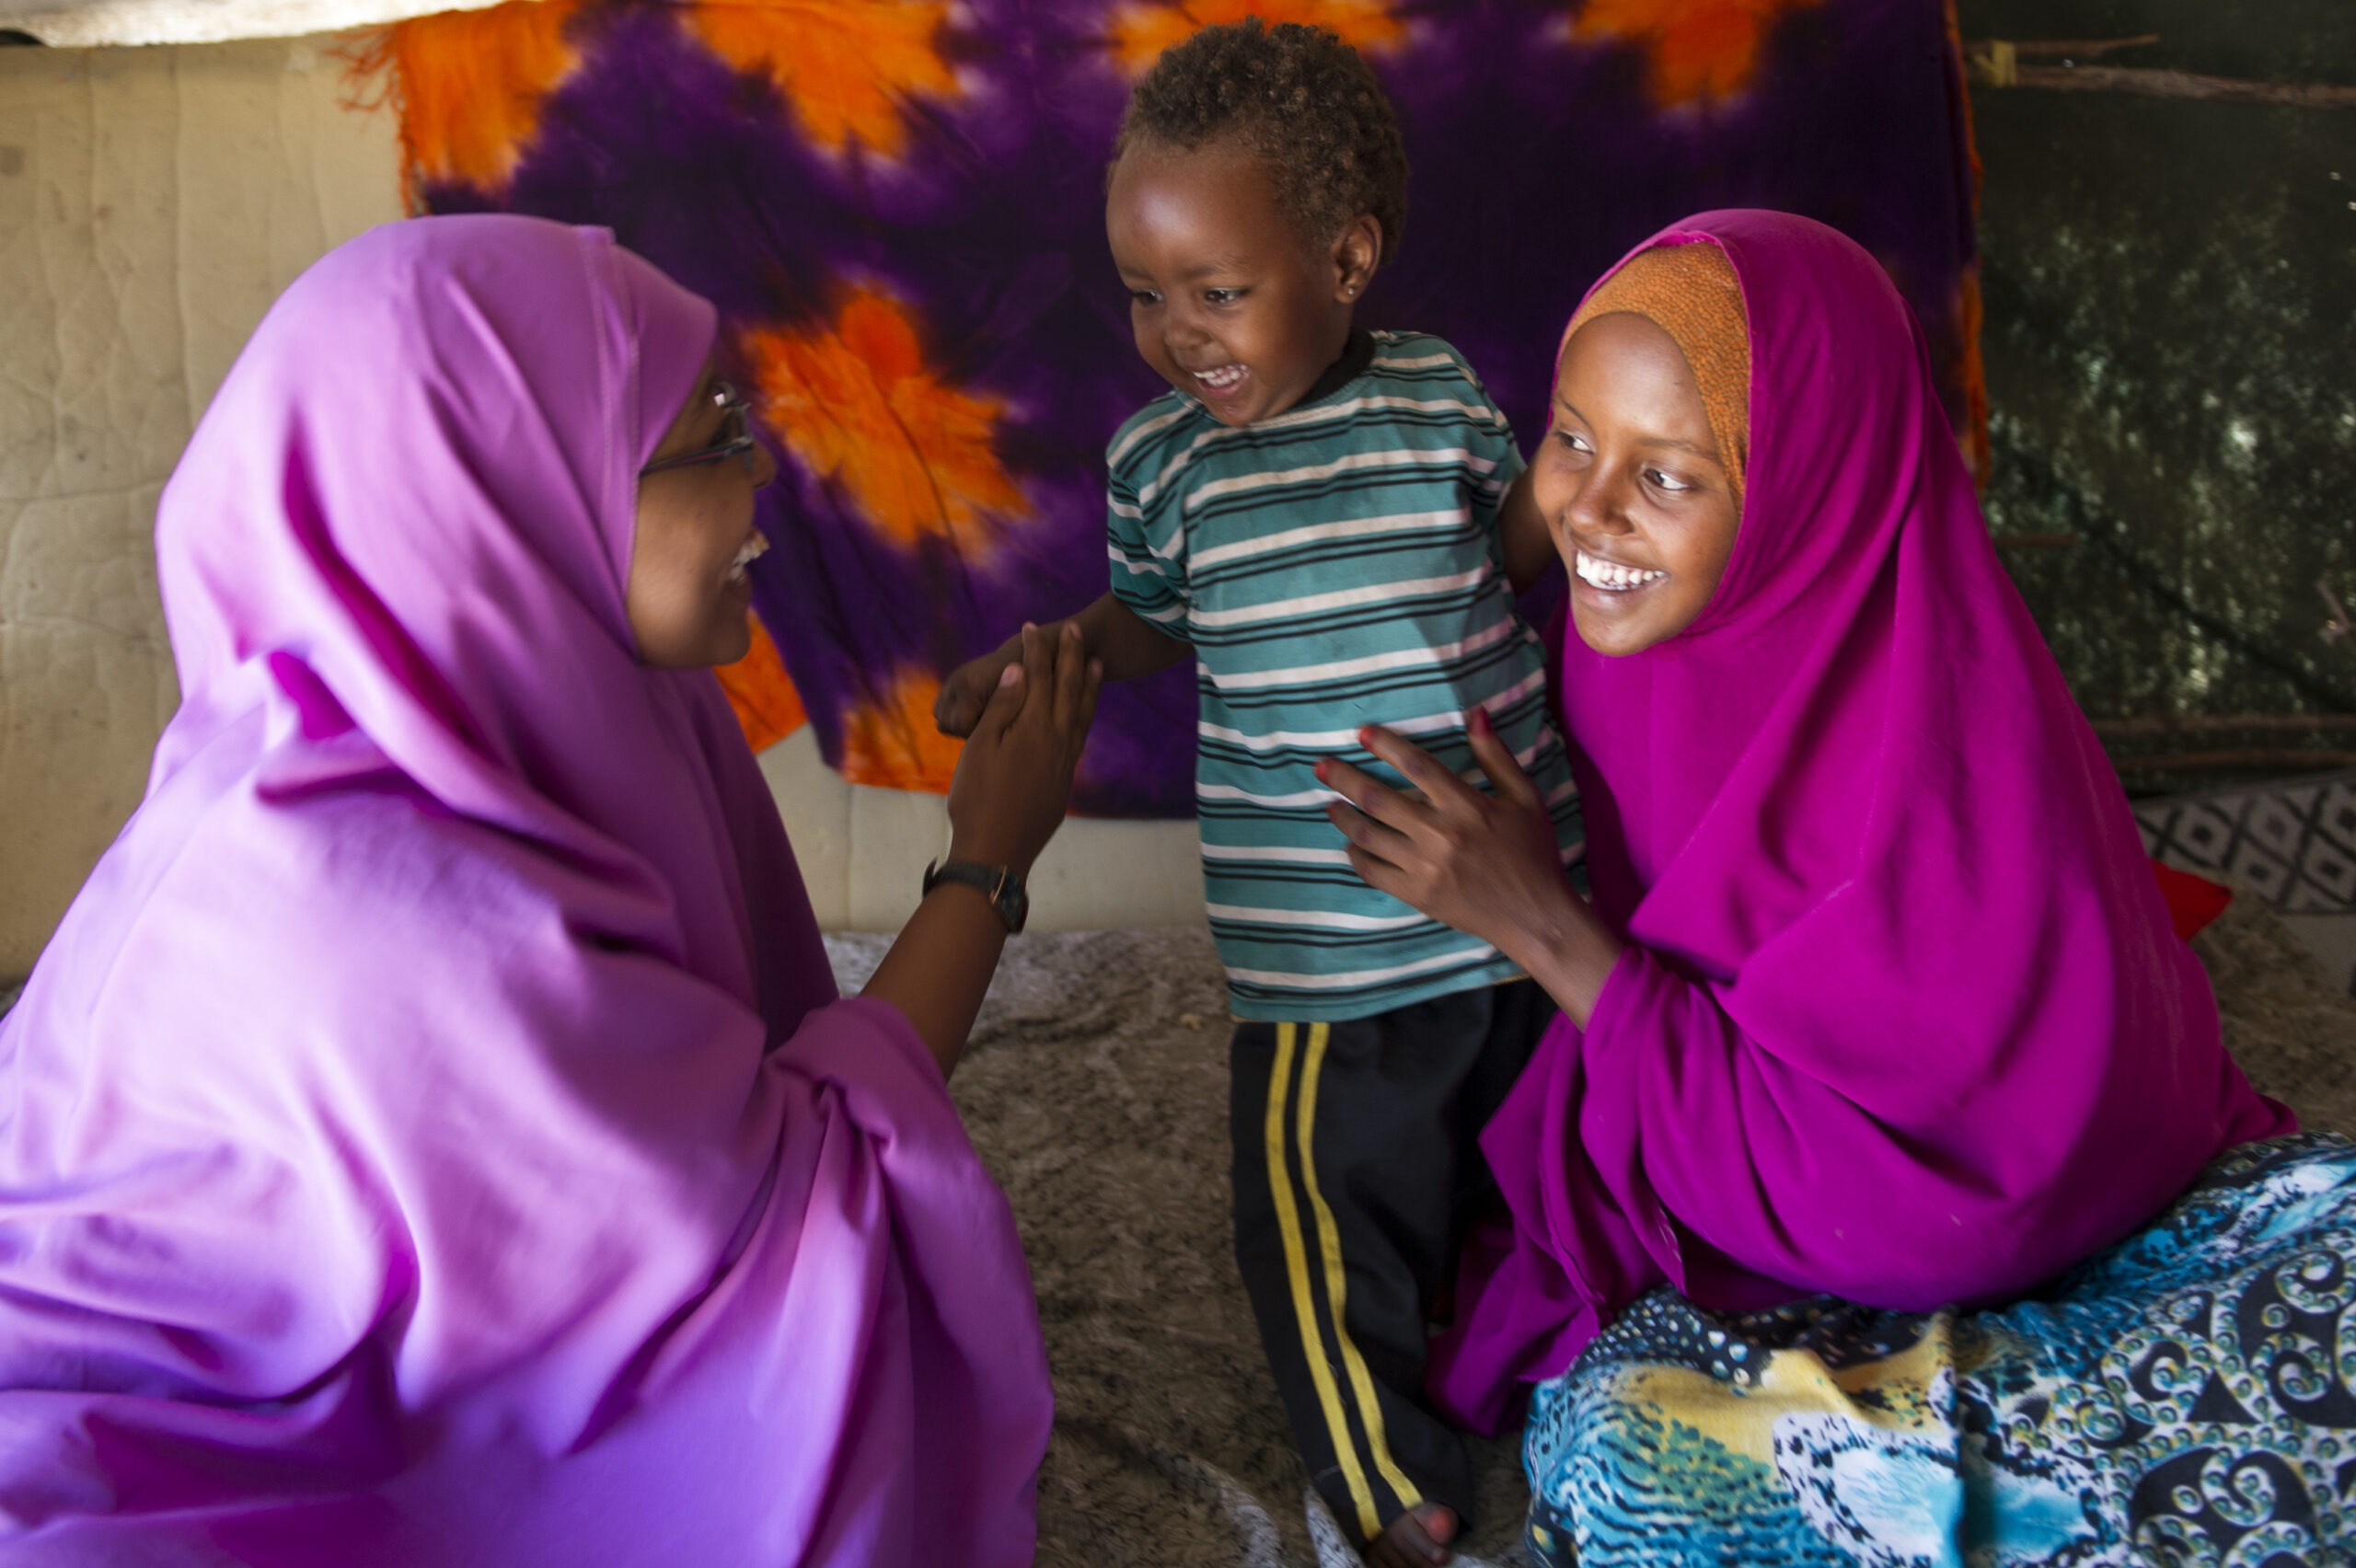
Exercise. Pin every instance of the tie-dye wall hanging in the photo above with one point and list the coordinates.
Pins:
(897, 205)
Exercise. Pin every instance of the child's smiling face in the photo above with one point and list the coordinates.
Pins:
(1227, 300)
(1631, 482)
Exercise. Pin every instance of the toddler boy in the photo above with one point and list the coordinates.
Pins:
(1329, 521)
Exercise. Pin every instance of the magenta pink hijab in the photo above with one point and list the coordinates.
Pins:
(433, 1136)
(1902, 1017)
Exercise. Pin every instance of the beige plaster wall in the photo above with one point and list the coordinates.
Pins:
(153, 202)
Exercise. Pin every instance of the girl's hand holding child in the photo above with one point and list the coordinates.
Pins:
(1484, 864)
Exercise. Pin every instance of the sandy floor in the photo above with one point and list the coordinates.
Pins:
(1096, 1089)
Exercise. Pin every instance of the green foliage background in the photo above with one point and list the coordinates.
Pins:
(2170, 340)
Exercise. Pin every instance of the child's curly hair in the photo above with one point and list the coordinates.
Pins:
(1297, 98)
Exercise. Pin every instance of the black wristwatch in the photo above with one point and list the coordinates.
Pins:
(1000, 884)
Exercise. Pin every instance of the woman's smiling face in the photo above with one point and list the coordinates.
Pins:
(688, 597)
(1631, 485)
(1226, 299)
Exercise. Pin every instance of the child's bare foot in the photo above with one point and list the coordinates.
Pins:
(1416, 1539)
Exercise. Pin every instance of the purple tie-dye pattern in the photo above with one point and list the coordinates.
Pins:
(1539, 159)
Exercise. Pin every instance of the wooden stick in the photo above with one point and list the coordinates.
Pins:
(2075, 48)
(2225, 723)
(2182, 85)
(2288, 759)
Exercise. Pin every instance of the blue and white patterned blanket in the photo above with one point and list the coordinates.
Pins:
(2187, 1397)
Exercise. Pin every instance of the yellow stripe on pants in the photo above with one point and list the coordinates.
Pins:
(1304, 1308)
(1330, 1242)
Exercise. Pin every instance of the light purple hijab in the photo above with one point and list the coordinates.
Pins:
(433, 1136)
(1902, 1017)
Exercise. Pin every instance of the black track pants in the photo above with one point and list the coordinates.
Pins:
(1355, 1167)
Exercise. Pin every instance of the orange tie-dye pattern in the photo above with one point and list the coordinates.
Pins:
(891, 740)
(856, 404)
(469, 86)
(845, 65)
(1700, 49)
(1141, 32)
(767, 708)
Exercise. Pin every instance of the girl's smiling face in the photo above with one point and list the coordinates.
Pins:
(1226, 299)
(1631, 485)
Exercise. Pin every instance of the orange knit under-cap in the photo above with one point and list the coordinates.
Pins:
(1691, 292)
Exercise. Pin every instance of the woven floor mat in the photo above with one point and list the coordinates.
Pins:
(1096, 1089)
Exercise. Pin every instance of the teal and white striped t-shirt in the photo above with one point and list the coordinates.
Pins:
(1334, 566)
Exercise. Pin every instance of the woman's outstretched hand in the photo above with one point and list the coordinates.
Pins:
(1484, 864)
(1013, 781)
(1013, 778)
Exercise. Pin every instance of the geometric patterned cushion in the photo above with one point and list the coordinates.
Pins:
(2293, 843)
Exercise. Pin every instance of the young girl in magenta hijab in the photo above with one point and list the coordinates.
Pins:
(1879, 1013)
(433, 1136)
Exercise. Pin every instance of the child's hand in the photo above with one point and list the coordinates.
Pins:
(968, 690)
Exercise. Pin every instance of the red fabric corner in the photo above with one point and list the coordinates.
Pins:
(2194, 901)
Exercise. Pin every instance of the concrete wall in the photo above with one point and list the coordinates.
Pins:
(153, 202)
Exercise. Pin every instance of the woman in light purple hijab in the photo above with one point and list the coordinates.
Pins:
(434, 1135)
(1877, 1016)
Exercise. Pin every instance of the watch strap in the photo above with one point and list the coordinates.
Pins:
(1001, 884)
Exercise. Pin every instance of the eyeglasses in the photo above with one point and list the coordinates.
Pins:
(735, 434)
